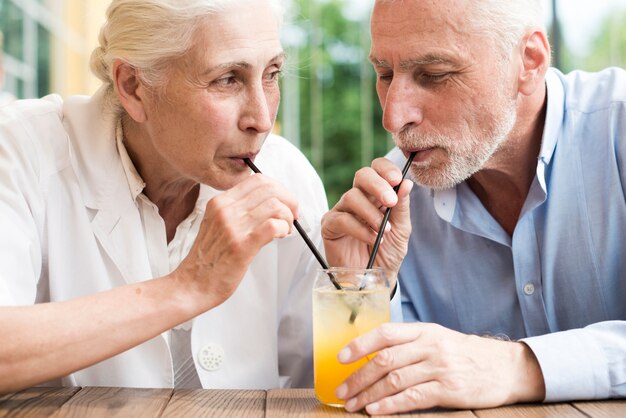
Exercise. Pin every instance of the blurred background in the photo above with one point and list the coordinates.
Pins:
(329, 107)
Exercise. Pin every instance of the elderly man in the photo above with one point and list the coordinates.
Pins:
(513, 277)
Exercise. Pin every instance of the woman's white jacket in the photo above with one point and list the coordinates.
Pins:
(69, 227)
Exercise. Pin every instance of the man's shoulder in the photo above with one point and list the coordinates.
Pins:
(592, 91)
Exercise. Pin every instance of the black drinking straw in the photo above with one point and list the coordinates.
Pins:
(381, 230)
(304, 235)
(387, 212)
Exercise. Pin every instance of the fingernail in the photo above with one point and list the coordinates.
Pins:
(349, 406)
(341, 391)
(388, 227)
(389, 197)
(372, 408)
(344, 355)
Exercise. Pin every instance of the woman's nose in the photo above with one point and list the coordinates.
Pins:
(259, 113)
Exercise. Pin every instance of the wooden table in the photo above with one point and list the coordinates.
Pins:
(127, 402)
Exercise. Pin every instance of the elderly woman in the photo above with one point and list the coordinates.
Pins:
(136, 247)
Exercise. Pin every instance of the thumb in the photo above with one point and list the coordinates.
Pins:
(401, 212)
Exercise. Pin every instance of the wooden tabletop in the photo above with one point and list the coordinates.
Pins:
(128, 402)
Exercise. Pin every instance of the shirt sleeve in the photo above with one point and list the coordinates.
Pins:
(21, 213)
(585, 363)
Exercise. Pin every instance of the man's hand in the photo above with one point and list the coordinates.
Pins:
(421, 365)
(350, 228)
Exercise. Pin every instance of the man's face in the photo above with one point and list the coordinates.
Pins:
(444, 90)
(221, 99)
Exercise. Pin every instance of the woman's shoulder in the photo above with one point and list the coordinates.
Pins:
(31, 111)
(33, 128)
(281, 157)
(284, 162)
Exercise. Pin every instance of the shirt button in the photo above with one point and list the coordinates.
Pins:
(529, 288)
(211, 357)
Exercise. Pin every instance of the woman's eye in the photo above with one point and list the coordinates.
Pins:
(274, 75)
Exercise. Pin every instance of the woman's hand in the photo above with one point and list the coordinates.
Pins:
(236, 225)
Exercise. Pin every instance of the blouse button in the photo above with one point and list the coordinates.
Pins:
(211, 357)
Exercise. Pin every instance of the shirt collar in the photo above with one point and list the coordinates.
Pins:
(445, 200)
(554, 115)
(135, 182)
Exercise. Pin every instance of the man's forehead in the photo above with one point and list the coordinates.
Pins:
(408, 14)
(422, 60)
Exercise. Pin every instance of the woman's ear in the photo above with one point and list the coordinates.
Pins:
(535, 57)
(129, 89)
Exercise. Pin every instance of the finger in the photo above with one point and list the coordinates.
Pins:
(387, 170)
(355, 202)
(256, 188)
(423, 396)
(405, 188)
(340, 224)
(387, 372)
(379, 188)
(268, 230)
(386, 335)
(271, 207)
(392, 383)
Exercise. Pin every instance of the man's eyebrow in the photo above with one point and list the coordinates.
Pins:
(428, 59)
(241, 65)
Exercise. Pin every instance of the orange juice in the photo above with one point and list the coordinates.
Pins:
(332, 330)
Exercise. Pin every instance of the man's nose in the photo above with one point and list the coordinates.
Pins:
(402, 105)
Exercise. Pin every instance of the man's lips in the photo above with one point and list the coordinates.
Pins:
(420, 154)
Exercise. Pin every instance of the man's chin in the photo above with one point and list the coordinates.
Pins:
(437, 179)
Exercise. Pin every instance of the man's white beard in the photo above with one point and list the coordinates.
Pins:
(465, 156)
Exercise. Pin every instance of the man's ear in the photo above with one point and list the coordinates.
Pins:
(535, 57)
(130, 91)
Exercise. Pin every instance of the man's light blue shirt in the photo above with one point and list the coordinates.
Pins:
(559, 283)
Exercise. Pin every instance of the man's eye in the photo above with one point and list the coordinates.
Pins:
(225, 81)
(434, 78)
(385, 78)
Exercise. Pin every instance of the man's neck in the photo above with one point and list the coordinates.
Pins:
(502, 185)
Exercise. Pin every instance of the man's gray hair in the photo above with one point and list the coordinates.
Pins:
(149, 34)
(505, 21)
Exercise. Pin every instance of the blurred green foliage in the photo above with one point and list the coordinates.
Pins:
(331, 97)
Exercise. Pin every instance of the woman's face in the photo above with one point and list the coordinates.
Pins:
(221, 99)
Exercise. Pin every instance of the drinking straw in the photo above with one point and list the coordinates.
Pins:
(381, 230)
(304, 236)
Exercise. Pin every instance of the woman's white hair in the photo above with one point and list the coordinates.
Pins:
(150, 34)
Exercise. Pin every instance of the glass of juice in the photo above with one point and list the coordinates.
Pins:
(339, 316)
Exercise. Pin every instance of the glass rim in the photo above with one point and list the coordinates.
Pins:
(351, 269)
